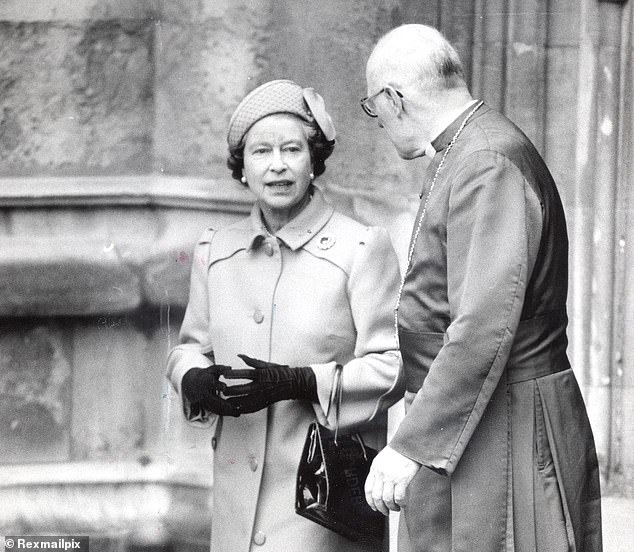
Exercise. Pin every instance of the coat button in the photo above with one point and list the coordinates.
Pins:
(259, 538)
(258, 316)
(253, 463)
(268, 249)
(214, 443)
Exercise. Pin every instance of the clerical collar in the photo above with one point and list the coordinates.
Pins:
(444, 123)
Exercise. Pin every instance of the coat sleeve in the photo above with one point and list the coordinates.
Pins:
(492, 240)
(195, 348)
(373, 380)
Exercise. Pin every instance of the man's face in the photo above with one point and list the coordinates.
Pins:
(390, 115)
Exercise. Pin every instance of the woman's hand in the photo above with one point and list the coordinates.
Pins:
(270, 382)
(202, 388)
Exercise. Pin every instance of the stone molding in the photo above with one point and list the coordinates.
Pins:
(119, 499)
(89, 266)
(106, 191)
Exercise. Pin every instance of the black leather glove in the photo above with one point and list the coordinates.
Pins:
(202, 388)
(270, 383)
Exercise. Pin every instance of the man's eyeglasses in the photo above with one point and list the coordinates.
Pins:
(367, 103)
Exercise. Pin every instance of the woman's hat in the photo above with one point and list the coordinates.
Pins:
(279, 96)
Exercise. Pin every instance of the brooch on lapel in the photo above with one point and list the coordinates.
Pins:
(326, 242)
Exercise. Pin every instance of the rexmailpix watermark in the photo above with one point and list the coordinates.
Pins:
(66, 543)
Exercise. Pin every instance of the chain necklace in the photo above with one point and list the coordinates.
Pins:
(422, 216)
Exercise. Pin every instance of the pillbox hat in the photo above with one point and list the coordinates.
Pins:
(278, 96)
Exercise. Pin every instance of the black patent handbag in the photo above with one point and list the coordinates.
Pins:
(330, 479)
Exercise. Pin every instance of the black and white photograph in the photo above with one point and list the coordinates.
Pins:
(329, 275)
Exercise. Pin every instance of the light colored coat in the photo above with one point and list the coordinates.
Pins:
(320, 294)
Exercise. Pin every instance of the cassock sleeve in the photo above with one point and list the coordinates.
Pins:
(493, 228)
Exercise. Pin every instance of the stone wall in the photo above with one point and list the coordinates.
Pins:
(77, 90)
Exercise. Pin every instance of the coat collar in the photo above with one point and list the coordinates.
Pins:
(298, 231)
(444, 138)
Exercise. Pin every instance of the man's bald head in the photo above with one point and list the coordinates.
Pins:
(416, 54)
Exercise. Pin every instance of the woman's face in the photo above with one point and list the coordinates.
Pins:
(277, 165)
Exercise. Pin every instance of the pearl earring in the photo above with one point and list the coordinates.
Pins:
(312, 177)
(243, 180)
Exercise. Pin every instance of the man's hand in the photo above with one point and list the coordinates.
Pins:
(390, 475)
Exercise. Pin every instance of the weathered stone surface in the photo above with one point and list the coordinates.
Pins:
(92, 257)
(112, 388)
(76, 97)
(207, 55)
(35, 374)
(64, 277)
(563, 26)
(137, 502)
(77, 10)
(560, 127)
(525, 95)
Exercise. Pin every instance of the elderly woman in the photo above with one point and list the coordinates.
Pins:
(294, 291)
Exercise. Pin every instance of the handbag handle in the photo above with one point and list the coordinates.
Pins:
(336, 398)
